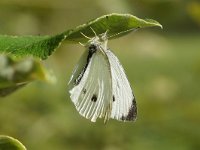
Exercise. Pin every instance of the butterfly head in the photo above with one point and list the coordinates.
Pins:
(98, 41)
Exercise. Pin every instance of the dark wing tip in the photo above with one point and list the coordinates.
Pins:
(132, 114)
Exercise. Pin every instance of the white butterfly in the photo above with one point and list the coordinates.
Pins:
(99, 87)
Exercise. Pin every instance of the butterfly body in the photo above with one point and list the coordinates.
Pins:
(99, 87)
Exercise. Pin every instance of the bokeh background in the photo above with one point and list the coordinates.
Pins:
(163, 67)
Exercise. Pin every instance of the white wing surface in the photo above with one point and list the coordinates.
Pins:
(90, 86)
(124, 104)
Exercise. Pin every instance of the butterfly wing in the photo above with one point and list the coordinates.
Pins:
(90, 86)
(124, 104)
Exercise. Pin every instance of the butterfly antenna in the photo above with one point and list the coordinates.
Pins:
(93, 31)
(106, 32)
(85, 36)
(104, 36)
(81, 44)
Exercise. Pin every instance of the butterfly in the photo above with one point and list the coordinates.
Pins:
(99, 87)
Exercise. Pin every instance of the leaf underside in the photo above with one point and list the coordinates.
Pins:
(116, 25)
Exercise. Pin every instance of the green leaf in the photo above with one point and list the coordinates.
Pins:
(37, 46)
(9, 143)
(116, 24)
(15, 74)
(42, 46)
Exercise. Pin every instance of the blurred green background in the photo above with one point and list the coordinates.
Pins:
(163, 67)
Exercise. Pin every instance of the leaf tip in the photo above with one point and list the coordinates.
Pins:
(154, 23)
(159, 25)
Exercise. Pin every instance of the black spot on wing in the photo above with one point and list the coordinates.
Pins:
(94, 98)
(123, 118)
(92, 50)
(84, 91)
(132, 114)
(113, 98)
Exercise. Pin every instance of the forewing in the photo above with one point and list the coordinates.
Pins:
(124, 104)
(79, 70)
(92, 95)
